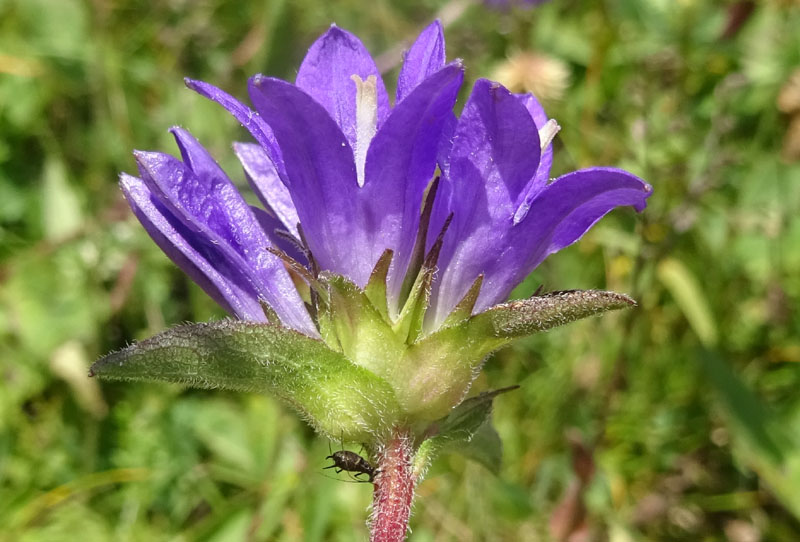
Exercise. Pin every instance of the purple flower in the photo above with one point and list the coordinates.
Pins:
(508, 215)
(342, 177)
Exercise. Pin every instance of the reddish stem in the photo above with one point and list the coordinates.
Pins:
(394, 491)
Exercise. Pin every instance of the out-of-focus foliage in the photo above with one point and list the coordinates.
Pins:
(677, 420)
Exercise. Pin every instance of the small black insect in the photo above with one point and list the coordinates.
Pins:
(345, 460)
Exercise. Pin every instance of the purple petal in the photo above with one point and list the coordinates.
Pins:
(542, 175)
(574, 202)
(326, 75)
(425, 58)
(446, 143)
(494, 152)
(246, 117)
(199, 259)
(273, 228)
(266, 183)
(201, 195)
(558, 217)
(400, 163)
(535, 109)
(319, 162)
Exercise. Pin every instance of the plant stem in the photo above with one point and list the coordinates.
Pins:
(394, 491)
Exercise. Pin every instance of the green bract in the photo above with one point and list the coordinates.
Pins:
(370, 372)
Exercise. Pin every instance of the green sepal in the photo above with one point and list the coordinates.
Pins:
(463, 310)
(412, 318)
(418, 253)
(375, 290)
(469, 421)
(409, 323)
(269, 313)
(300, 270)
(438, 369)
(338, 398)
(361, 331)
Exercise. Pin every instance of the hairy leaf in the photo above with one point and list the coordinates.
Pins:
(485, 448)
(457, 430)
(339, 398)
(539, 313)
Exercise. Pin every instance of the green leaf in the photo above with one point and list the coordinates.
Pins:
(539, 313)
(467, 417)
(337, 397)
(485, 448)
(468, 421)
(689, 296)
(759, 435)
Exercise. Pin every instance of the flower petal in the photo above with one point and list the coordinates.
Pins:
(246, 117)
(201, 195)
(559, 216)
(495, 149)
(574, 202)
(319, 163)
(446, 143)
(400, 163)
(197, 257)
(495, 152)
(426, 57)
(266, 183)
(271, 226)
(326, 75)
(542, 175)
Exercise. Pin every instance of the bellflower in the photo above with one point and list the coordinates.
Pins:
(368, 287)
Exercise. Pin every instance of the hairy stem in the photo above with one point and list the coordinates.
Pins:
(394, 491)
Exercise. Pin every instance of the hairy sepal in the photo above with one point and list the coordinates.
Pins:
(338, 398)
(438, 370)
(410, 322)
(375, 290)
(361, 331)
(467, 430)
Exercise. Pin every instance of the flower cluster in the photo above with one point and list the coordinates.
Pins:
(342, 175)
(368, 287)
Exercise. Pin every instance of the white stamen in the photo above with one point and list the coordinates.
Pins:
(546, 136)
(366, 120)
(548, 133)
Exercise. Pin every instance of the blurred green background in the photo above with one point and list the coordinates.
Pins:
(679, 420)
